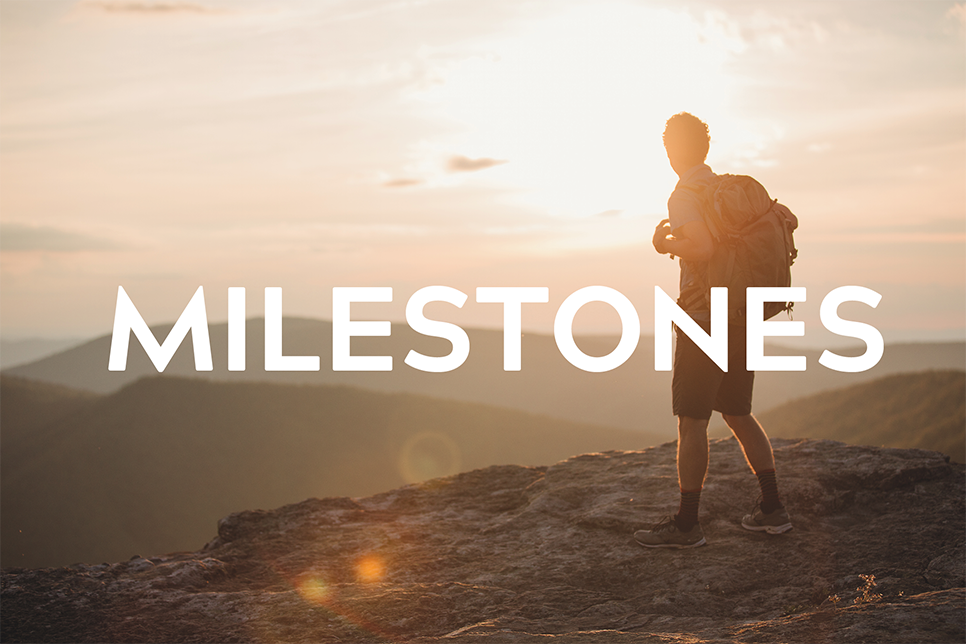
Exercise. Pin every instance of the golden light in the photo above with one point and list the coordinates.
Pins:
(370, 569)
(576, 104)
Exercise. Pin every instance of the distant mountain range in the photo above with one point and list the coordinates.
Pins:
(922, 410)
(18, 352)
(633, 396)
(547, 384)
(101, 465)
(152, 467)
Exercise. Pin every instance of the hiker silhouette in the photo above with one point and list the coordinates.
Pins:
(699, 387)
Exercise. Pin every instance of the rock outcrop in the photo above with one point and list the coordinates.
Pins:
(514, 554)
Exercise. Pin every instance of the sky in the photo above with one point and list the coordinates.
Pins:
(170, 144)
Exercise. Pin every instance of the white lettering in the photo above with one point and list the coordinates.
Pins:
(512, 298)
(419, 323)
(344, 328)
(236, 328)
(758, 328)
(563, 329)
(127, 319)
(715, 345)
(274, 360)
(868, 334)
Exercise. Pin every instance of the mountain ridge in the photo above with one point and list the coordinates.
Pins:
(108, 479)
(547, 384)
(917, 410)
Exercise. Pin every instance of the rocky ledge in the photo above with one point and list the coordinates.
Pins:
(518, 554)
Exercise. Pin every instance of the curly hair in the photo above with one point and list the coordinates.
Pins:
(685, 135)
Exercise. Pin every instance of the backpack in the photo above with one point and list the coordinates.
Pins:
(753, 243)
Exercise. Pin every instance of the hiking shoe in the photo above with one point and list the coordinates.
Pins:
(665, 534)
(775, 522)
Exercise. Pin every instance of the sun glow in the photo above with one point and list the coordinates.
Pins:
(576, 104)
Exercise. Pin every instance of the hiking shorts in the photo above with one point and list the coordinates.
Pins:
(699, 387)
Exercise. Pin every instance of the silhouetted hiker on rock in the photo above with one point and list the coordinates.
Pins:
(699, 386)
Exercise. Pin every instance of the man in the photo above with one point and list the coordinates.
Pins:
(699, 387)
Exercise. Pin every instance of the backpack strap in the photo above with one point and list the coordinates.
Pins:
(695, 299)
(704, 198)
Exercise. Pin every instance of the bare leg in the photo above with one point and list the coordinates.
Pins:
(692, 452)
(754, 442)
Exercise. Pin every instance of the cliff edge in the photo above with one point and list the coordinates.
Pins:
(517, 554)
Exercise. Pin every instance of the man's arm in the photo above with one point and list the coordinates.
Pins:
(692, 242)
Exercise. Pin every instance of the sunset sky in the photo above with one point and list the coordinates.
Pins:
(170, 144)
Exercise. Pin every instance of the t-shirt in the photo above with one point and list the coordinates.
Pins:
(682, 208)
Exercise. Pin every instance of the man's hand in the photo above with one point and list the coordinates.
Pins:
(660, 236)
(693, 241)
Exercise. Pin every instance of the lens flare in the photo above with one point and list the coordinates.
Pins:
(429, 455)
(370, 569)
(312, 589)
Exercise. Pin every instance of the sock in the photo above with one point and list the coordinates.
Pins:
(687, 515)
(769, 491)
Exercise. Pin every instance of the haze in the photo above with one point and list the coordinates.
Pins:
(170, 144)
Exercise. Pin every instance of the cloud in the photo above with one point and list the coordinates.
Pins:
(609, 213)
(957, 14)
(402, 183)
(148, 7)
(18, 237)
(459, 163)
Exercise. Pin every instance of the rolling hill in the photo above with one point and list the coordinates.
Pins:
(29, 405)
(633, 396)
(547, 384)
(152, 467)
(18, 352)
(922, 410)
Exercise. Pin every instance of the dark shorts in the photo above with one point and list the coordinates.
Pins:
(699, 387)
